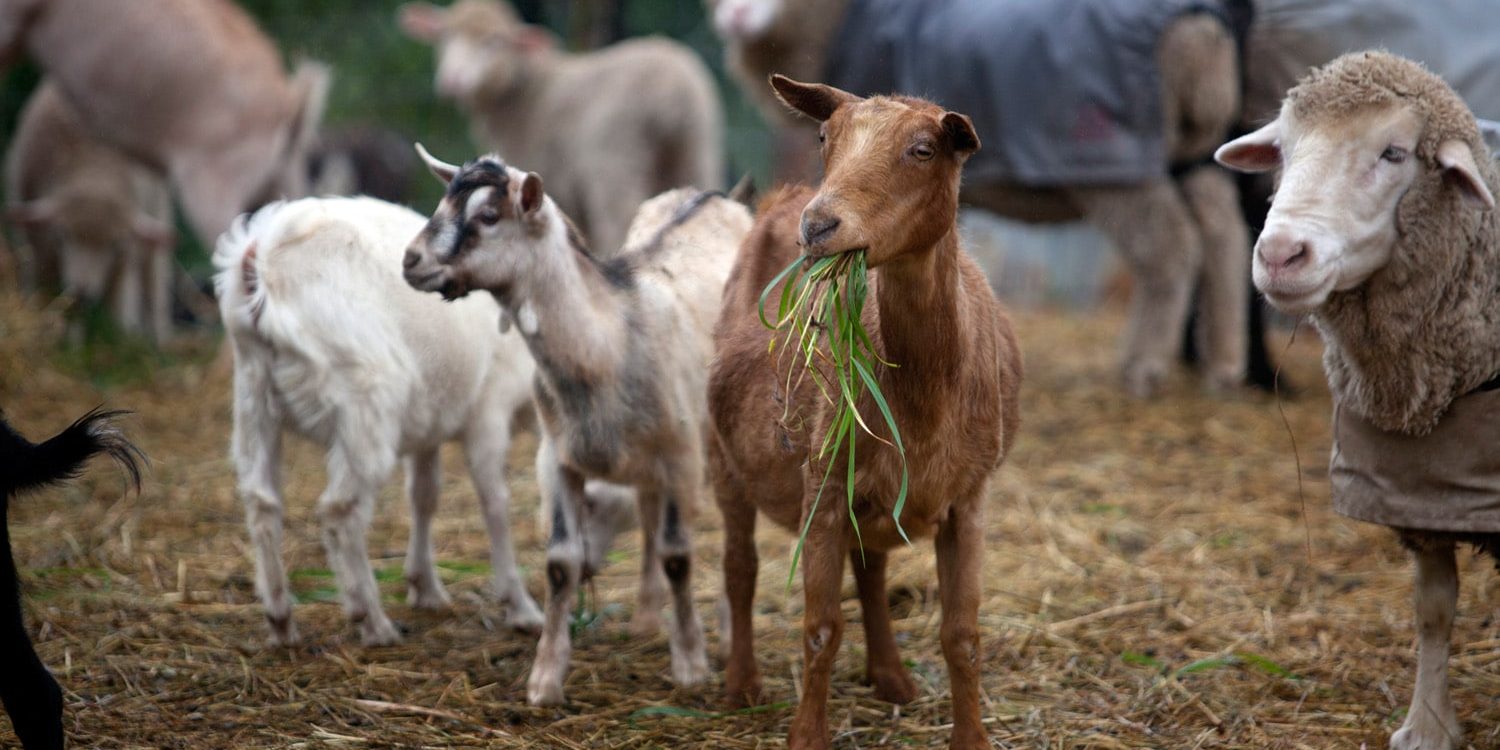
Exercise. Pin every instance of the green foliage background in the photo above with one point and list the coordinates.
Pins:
(383, 78)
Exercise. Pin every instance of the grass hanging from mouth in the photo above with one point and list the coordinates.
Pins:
(822, 302)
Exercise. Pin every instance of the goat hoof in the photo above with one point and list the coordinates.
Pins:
(690, 670)
(1426, 735)
(894, 686)
(1143, 380)
(742, 696)
(432, 596)
(379, 632)
(523, 617)
(645, 623)
(816, 739)
(544, 690)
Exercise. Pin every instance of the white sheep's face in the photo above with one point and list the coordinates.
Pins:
(744, 20)
(1332, 223)
(484, 232)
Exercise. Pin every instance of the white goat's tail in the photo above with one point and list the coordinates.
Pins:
(239, 257)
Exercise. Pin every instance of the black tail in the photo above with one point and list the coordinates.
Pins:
(24, 466)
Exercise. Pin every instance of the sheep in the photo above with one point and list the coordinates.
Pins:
(892, 166)
(95, 222)
(330, 343)
(362, 160)
(1175, 220)
(30, 695)
(191, 88)
(1383, 231)
(622, 348)
(609, 128)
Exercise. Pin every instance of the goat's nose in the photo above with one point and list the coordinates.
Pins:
(816, 229)
(1283, 252)
(410, 259)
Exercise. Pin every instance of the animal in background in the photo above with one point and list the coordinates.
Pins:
(362, 160)
(892, 168)
(30, 694)
(191, 88)
(1384, 231)
(329, 342)
(1138, 95)
(622, 347)
(95, 224)
(609, 128)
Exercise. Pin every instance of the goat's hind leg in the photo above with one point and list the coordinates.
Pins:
(652, 595)
(257, 459)
(675, 550)
(29, 692)
(1431, 722)
(424, 471)
(356, 468)
(554, 651)
(883, 667)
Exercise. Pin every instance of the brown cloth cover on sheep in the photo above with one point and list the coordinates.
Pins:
(1446, 480)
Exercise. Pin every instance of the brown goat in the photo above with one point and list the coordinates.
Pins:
(892, 166)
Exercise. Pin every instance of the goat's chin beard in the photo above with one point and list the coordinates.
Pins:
(453, 289)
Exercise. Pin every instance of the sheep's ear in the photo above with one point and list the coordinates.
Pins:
(153, 231)
(440, 169)
(35, 213)
(423, 22)
(960, 130)
(1457, 161)
(1254, 152)
(531, 193)
(812, 99)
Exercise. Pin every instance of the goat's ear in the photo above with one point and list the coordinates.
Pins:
(153, 231)
(815, 100)
(531, 193)
(34, 213)
(423, 22)
(1459, 169)
(440, 169)
(960, 131)
(532, 39)
(1253, 152)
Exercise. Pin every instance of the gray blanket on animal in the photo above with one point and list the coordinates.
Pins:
(1062, 92)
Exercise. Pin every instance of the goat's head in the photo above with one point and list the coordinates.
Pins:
(484, 233)
(1371, 148)
(483, 48)
(891, 167)
(744, 20)
(96, 230)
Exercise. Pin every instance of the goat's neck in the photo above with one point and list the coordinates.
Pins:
(918, 298)
(572, 317)
(509, 114)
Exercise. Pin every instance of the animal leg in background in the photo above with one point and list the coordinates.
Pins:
(485, 448)
(359, 460)
(1224, 279)
(424, 474)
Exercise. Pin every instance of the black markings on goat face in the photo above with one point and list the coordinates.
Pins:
(477, 197)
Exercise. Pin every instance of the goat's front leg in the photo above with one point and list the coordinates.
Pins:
(564, 570)
(675, 550)
(485, 450)
(1431, 723)
(742, 684)
(356, 467)
(424, 471)
(256, 446)
(883, 667)
(823, 553)
(1224, 283)
(960, 557)
(652, 595)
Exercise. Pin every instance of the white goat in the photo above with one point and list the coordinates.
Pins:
(330, 342)
(622, 349)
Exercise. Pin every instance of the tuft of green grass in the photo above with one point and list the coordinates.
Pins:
(820, 313)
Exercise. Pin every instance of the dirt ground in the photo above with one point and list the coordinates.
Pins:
(1155, 580)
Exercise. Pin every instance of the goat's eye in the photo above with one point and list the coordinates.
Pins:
(1393, 154)
(922, 151)
(488, 216)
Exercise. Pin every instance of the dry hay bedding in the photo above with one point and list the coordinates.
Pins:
(1150, 585)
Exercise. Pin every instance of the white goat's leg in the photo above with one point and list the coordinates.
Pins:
(1150, 226)
(1431, 723)
(257, 460)
(652, 596)
(1224, 283)
(485, 449)
(611, 510)
(129, 302)
(424, 470)
(357, 464)
(675, 550)
(160, 293)
(564, 569)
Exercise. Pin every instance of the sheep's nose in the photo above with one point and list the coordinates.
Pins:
(817, 229)
(410, 259)
(1280, 253)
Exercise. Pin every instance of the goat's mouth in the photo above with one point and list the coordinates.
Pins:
(427, 282)
(815, 251)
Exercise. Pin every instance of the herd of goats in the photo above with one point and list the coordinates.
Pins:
(584, 281)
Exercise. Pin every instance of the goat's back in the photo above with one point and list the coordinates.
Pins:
(312, 290)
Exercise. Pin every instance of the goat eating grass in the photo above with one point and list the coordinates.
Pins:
(891, 191)
(31, 696)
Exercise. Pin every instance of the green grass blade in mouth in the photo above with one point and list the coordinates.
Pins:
(819, 315)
